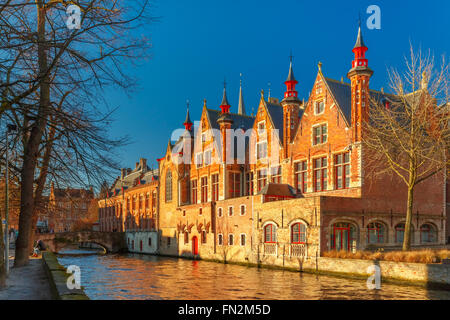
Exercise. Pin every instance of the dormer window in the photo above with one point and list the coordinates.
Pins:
(319, 107)
(261, 127)
(207, 156)
(320, 134)
(199, 160)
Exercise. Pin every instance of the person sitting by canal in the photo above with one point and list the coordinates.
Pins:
(35, 250)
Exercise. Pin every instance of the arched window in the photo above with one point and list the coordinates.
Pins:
(376, 233)
(298, 233)
(270, 233)
(343, 237)
(428, 233)
(400, 233)
(169, 186)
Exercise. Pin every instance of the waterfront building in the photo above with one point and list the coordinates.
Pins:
(66, 206)
(301, 185)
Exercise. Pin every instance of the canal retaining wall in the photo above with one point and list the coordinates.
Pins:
(57, 277)
(436, 275)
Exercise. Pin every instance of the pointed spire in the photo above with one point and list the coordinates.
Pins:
(187, 123)
(291, 72)
(241, 107)
(225, 106)
(290, 83)
(359, 40)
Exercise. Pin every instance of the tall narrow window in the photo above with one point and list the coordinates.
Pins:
(342, 170)
(249, 184)
(235, 184)
(147, 201)
(301, 176)
(169, 186)
(207, 156)
(204, 182)
(320, 107)
(276, 174)
(261, 151)
(320, 174)
(428, 233)
(215, 187)
(298, 233)
(203, 236)
(230, 239)
(194, 191)
(320, 134)
(262, 179)
(270, 233)
(376, 233)
(220, 239)
(243, 239)
(199, 160)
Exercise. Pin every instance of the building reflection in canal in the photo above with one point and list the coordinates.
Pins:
(134, 276)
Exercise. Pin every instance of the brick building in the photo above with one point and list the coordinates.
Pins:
(289, 182)
(66, 207)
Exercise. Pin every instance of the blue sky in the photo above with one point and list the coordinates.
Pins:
(196, 44)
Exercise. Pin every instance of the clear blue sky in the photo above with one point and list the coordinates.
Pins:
(198, 43)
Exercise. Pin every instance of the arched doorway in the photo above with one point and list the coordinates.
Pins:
(343, 236)
(195, 245)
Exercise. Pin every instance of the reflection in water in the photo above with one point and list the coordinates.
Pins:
(133, 276)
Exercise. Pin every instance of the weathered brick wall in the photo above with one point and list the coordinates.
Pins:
(284, 214)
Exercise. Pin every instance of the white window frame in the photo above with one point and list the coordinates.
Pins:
(230, 236)
(240, 209)
(267, 153)
(312, 133)
(316, 105)
(218, 239)
(240, 239)
(199, 155)
(210, 157)
(221, 210)
(232, 211)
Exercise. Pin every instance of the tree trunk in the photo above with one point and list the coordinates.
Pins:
(31, 150)
(2, 256)
(409, 213)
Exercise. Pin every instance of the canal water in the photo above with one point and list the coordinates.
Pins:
(134, 276)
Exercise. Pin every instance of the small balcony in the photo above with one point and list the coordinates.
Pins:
(298, 250)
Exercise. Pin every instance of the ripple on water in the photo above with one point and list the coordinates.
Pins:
(132, 276)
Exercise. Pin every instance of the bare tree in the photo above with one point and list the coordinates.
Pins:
(52, 80)
(408, 133)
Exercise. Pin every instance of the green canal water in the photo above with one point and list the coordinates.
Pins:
(134, 276)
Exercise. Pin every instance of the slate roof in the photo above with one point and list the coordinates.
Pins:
(239, 121)
(342, 93)
(276, 114)
(278, 189)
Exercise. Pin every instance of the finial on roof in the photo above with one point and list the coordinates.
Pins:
(225, 106)
(319, 65)
(269, 89)
(291, 72)
(262, 94)
(241, 106)
(204, 103)
(359, 40)
(187, 123)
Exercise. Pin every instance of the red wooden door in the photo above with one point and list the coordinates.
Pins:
(195, 245)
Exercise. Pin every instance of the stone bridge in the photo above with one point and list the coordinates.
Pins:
(113, 242)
